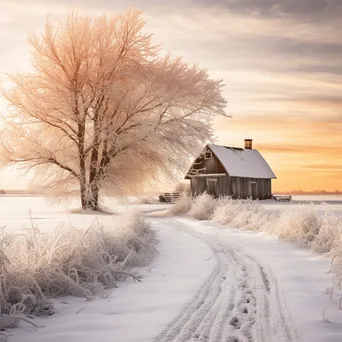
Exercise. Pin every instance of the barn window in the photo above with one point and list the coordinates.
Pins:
(208, 155)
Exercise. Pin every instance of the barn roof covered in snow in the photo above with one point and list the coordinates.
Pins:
(241, 162)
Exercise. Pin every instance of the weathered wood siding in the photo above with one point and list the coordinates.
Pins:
(241, 188)
(198, 186)
(212, 165)
(232, 186)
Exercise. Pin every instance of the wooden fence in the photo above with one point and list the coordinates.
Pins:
(170, 197)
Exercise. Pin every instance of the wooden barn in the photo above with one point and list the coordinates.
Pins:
(231, 171)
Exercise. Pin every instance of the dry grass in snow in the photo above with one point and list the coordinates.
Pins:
(84, 263)
(329, 235)
(301, 225)
(243, 214)
(336, 263)
(203, 207)
(181, 206)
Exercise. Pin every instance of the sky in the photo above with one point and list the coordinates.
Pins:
(280, 60)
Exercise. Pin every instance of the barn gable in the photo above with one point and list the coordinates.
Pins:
(205, 164)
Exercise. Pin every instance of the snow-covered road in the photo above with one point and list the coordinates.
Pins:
(239, 301)
(208, 283)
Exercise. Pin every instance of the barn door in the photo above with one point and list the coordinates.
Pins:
(253, 190)
(212, 187)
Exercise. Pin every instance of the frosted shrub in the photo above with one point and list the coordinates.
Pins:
(181, 206)
(263, 220)
(336, 263)
(330, 240)
(329, 235)
(300, 225)
(238, 214)
(77, 262)
(245, 214)
(225, 211)
(203, 207)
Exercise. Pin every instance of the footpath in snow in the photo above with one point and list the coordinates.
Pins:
(240, 301)
(135, 312)
(288, 283)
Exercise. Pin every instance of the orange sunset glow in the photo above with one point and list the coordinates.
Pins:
(280, 61)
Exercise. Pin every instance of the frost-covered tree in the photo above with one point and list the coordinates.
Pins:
(102, 110)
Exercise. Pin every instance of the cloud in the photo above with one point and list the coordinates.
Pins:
(271, 8)
(337, 167)
(303, 150)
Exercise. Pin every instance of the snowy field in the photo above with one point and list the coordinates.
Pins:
(134, 311)
(208, 283)
(322, 203)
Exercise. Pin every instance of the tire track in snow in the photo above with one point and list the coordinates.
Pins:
(239, 302)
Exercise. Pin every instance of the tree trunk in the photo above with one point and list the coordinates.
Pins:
(83, 195)
(90, 197)
(93, 198)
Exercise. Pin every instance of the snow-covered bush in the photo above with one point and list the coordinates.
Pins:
(243, 214)
(181, 206)
(224, 211)
(336, 263)
(246, 215)
(330, 240)
(70, 261)
(330, 234)
(183, 188)
(300, 225)
(203, 207)
(264, 221)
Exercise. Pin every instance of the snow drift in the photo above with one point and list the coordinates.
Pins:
(70, 261)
